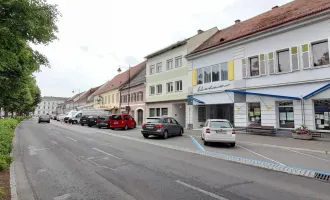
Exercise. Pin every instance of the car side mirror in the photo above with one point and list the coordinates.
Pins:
(201, 125)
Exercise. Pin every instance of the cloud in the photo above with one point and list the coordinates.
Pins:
(84, 48)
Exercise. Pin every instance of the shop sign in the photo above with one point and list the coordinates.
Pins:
(211, 87)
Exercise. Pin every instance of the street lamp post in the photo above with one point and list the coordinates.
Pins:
(129, 84)
(73, 91)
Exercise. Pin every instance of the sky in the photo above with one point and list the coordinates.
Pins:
(96, 37)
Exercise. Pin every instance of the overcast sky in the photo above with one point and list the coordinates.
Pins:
(95, 37)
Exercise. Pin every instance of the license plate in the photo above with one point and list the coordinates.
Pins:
(150, 127)
(115, 122)
(83, 120)
(220, 131)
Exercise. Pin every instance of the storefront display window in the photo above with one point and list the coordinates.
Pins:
(254, 113)
(286, 116)
(201, 114)
(322, 113)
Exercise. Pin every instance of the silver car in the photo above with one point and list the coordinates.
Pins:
(44, 118)
(161, 126)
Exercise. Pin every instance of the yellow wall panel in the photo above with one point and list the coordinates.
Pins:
(230, 70)
(194, 77)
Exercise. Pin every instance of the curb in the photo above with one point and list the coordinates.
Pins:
(12, 174)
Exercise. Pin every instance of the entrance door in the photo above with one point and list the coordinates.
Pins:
(139, 117)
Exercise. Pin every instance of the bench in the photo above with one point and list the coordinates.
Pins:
(260, 130)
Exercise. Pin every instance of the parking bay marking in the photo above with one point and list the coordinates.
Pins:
(109, 154)
(201, 190)
(72, 139)
(309, 155)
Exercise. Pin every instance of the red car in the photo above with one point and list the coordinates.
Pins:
(123, 121)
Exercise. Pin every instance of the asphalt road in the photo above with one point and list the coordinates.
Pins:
(63, 162)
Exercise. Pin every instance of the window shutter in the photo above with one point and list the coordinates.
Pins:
(244, 68)
(194, 77)
(305, 55)
(262, 64)
(230, 70)
(294, 58)
(271, 63)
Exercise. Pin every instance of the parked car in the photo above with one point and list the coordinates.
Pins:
(67, 118)
(123, 121)
(61, 117)
(103, 121)
(83, 120)
(218, 130)
(44, 118)
(161, 126)
(76, 116)
(91, 120)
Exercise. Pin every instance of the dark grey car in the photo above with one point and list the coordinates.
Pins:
(44, 118)
(161, 126)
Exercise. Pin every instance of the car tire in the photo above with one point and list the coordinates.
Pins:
(165, 134)
(112, 128)
(89, 125)
(82, 124)
(134, 125)
(206, 143)
(99, 127)
(48, 122)
(146, 136)
(232, 144)
(181, 132)
(39, 122)
(202, 136)
(125, 127)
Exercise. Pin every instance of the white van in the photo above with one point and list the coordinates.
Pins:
(69, 116)
(76, 117)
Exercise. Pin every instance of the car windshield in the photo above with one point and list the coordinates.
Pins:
(220, 124)
(92, 116)
(44, 116)
(116, 117)
(153, 120)
(104, 117)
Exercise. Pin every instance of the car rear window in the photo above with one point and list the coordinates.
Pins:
(220, 124)
(153, 120)
(116, 117)
(44, 116)
(104, 117)
(92, 116)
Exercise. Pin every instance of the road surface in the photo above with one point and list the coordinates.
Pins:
(61, 162)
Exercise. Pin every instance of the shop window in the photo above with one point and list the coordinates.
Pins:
(201, 114)
(199, 76)
(215, 73)
(283, 61)
(320, 53)
(151, 112)
(254, 113)
(286, 117)
(254, 66)
(164, 111)
(322, 113)
(207, 74)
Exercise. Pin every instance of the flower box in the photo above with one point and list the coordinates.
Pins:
(302, 133)
(302, 136)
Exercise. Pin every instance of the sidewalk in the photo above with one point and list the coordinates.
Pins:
(319, 145)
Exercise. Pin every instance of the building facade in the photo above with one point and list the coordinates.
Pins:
(167, 78)
(270, 70)
(48, 105)
(132, 96)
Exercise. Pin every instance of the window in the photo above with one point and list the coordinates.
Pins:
(151, 112)
(152, 69)
(178, 86)
(134, 97)
(285, 110)
(109, 99)
(201, 114)
(117, 97)
(283, 61)
(169, 64)
(254, 66)
(320, 53)
(140, 96)
(207, 74)
(224, 71)
(178, 61)
(254, 113)
(169, 87)
(159, 67)
(322, 111)
(152, 90)
(121, 99)
(157, 112)
(220, 124)
(159, 89)
(199, 76)
(173, 121)
(113, 98)
(215, 73)
(164, 111)
(128, 98)
(105, 99)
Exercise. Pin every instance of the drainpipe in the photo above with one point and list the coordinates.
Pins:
(303, 111)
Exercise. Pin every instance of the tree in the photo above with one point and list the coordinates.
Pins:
(23, 22)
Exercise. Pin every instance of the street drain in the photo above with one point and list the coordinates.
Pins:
(323, 177)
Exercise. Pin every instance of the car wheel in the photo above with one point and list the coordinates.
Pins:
(232, 144)
(145, 136)
(165, 134)
(82, 124)
(89, 125)
(99, 127)
(48, 122)
(202, 136)
(112, 128)
(39, 122)
(181, 132)
(206, 143)
(126, 127)
(134, 125)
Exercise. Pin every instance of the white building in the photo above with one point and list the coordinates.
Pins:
(271, 70)
(167, 78)
(48, 105)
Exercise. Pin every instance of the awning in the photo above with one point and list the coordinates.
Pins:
(263, 94)
(317, 91)
(191, 98)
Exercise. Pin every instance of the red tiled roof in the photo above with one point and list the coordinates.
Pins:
(88, 93)
(289, 12)
(119, 80)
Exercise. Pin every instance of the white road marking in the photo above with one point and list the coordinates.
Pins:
(41, 170)
(201, 190)
(309, 155)
(109, 154)
(72, 139)
(63, 197)
(261, 155)
(57, 132)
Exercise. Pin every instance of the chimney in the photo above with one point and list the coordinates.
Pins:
(237, 21)
(199, 31)
(274, 7)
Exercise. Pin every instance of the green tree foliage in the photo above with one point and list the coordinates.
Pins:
(23, 22)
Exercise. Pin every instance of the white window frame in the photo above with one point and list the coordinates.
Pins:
(152, 86)
(159, 65)
(181, 85)
(167, 84)
(311, 55)
(151, 68)
(290, 60)
(249, 65)
(202, 68)
(176, 58)
(157, 91)
(265, 64)
(169, 61)
(298, 58)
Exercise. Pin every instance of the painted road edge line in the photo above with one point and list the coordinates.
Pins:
(201, 190)
(196, 143)
(109, 154)
(72, 139)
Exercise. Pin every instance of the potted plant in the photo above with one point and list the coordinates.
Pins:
(302, 133)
